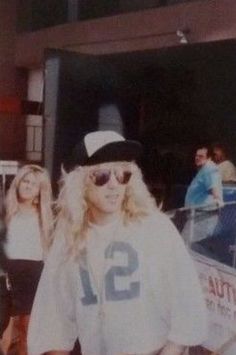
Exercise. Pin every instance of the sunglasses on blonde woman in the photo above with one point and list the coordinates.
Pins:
(101, 177)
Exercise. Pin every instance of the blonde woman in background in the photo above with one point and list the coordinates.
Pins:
(29, 222)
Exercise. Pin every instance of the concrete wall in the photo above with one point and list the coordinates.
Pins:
(7, 47)
(12, 84)
(154, 28)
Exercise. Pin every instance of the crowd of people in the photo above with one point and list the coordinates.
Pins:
(213, 169)
(108, 270)
(209, 223)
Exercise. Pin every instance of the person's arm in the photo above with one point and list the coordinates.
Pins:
(213, 184)
(54, 305)
(215, 193)
(172, 349)
(186, 303)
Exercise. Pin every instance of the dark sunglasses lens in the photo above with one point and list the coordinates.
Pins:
(101, 177)
(124, 177)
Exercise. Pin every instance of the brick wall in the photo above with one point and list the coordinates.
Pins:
(12, 85)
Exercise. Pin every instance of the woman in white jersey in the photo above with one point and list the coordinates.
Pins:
(118, 276)
(29, 226)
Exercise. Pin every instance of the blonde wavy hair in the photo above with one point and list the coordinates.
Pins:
(73, 208)
(43, 203)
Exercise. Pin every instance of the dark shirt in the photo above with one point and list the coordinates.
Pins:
(5, 302)
(3, 259)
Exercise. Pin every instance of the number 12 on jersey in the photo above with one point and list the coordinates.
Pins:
(109, 282)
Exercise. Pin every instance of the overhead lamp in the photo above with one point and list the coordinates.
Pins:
(182, 35)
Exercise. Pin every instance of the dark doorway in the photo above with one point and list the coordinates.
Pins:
(82, 94)
(171, 99)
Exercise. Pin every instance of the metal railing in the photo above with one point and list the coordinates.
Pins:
(209, 230)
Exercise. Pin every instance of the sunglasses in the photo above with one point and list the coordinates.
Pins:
(101, 177)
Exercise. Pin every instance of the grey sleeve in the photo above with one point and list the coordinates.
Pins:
(53, 318)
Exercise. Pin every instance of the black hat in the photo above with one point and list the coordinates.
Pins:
(105, 146)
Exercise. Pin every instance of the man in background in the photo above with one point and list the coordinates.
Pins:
(226, 167)
(206, 187)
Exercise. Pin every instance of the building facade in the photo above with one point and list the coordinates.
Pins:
(172, 53)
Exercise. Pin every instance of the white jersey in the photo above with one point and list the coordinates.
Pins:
(133, 289)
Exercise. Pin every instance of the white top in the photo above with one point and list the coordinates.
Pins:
(227, 171)
(133, 290)
(96, 140)
(23, 237)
